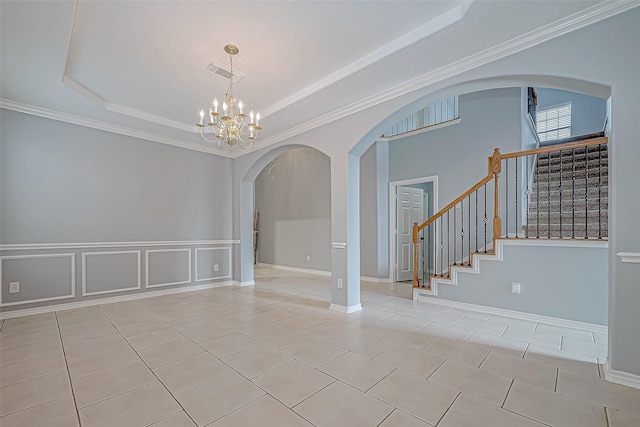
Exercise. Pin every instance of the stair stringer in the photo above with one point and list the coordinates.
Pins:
(494, 255)
(497, 255)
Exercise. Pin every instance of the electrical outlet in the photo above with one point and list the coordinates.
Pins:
(339, 283)
(14, 287)
(515, 288)
(308, 258)
(216, 267)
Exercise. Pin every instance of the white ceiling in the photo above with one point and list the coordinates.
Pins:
(138, 67)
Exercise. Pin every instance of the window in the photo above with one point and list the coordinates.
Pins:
(554, 123)
(439, 112)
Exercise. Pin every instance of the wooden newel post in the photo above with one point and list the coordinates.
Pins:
(496, 167)
(416, 281)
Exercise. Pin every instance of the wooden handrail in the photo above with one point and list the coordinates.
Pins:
(559, 147)
(455, 202)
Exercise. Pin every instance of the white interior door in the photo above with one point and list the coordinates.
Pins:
(409, 209)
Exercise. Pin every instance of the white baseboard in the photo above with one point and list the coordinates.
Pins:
(423, 295)
(323, 272)
(121, 298)
(245, 283)
(299, 270)
(618, 377)
(345, 309)
(376, 279)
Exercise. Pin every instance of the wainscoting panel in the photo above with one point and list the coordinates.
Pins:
(167, 267)
(50, 277)
(109, 272)
(42, 277)
(213, 263)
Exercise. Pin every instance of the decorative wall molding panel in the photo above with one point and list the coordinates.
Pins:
(149, 254)
(89, 245)
(86, 256)
(72, 276)
(200, 262)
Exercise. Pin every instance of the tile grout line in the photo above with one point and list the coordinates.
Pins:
(450, 406)
(149, 368)
(508, 391)
(64, 355)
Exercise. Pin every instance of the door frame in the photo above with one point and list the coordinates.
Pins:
(392, 215)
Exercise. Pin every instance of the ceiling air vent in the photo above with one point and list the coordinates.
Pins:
(223, 71)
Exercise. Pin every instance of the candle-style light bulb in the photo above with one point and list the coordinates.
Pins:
(201, 117)
(258, 119)
(224, 107)
(215, 105)
(240, 106)
(251, 116)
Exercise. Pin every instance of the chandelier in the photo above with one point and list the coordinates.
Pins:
(230, 127)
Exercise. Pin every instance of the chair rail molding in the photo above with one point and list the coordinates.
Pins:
(632, 257)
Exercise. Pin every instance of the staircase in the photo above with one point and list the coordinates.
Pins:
(559, 192)
(569, 195)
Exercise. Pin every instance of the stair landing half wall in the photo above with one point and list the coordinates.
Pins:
(561, 279)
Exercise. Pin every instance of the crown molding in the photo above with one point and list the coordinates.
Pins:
(121, 109)
(424, 31)
(526, 41)
(533, 38)
(108, 127)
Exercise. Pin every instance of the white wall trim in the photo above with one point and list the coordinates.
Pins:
(90, 245)
(108, 127)
(448, 18)
(632, 257)
(422, 130)
(339, 245)
(146, 267)
(85, 255)
(108, 300)
(72, 290)
(245, 283)
(619, 377)
(574, 324)
(297, 269)
(230, 266)
(376, 279)
(345, 309)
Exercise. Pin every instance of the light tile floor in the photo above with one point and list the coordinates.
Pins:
(274, 355)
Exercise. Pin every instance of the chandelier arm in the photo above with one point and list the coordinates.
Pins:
(244, 144)
(205, 138)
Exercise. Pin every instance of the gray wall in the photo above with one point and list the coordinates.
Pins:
(117, 214)
(369, 213)
(587, 112)
(294, 201)
(458, 154)
(576, 290)
(67, 183)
